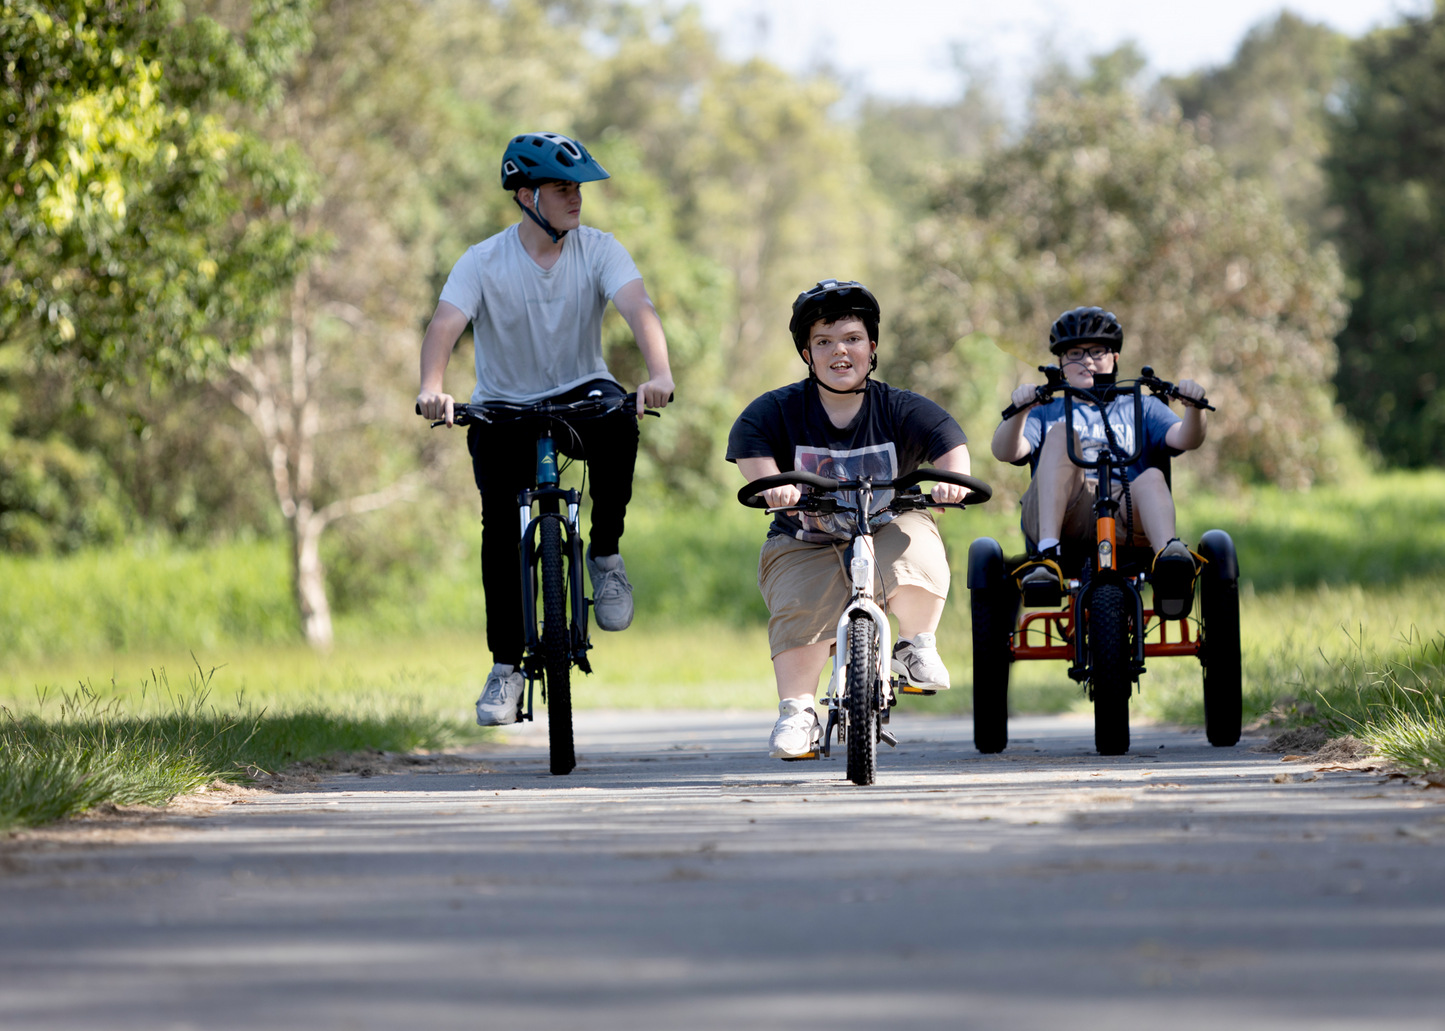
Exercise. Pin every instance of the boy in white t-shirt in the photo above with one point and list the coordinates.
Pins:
(535, 295)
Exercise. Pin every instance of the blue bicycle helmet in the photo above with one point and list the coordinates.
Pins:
(534, 158)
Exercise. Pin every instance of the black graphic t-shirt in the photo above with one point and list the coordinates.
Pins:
(894, 433)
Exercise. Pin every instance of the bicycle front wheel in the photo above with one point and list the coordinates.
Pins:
(557, 661)
(862, 701)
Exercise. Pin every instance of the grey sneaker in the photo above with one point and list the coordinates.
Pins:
(796, 734)
(917, 661)
(611, 593)
(503, 691)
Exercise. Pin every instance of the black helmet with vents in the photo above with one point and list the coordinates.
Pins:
(1081, 326)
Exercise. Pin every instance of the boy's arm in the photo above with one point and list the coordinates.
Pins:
(1188, 433)
(441, 337)
(756, 468)
(955, 461)
(636, 307)
(1008, 443)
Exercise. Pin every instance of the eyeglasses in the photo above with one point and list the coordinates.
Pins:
(1078, 354)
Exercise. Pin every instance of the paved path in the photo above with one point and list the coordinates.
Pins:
(680, 880)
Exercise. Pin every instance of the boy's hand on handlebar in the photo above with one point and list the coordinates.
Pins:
(1188, 388)
(436, 405)
(655, 393)
(777, 497)
(1022, 398)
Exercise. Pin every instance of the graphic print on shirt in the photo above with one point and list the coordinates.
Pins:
(1089, 425)
(879, 461)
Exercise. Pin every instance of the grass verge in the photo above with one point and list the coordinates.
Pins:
(92, 752)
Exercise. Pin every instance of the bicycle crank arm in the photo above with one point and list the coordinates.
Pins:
(887, 738)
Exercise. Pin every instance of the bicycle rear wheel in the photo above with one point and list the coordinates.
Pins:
(862, 707)
(557, 662)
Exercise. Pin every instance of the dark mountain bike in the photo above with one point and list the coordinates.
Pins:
(552, 566)
(862, 690)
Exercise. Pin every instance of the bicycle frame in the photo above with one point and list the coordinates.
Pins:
(549, 498)
(861, 572)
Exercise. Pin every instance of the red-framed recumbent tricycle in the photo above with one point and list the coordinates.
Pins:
(1097, 621)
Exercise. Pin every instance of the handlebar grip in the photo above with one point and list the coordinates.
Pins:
(979, 492)
(751, 494)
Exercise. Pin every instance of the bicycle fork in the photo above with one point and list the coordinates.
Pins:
(861, 571)
(549, 498)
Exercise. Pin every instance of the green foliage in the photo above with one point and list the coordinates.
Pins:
(144, 226)
(1265, 111)
(1102, 202)
(1387, 173)
(145, 594)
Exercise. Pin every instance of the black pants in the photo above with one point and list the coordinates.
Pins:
(504, 461)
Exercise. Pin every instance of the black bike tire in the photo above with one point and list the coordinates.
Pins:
(1219, 654)
(1110, 658)
(862, 712)
(993, 619)
(557, 658)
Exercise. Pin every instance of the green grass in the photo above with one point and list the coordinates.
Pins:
(71, 751)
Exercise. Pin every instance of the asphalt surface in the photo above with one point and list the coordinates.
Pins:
(681, 879)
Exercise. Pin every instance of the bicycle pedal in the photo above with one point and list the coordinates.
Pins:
(801, 758)
(887, 738)
(910, 689)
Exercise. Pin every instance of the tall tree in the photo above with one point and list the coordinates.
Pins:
(1102, 202)
(1387, 174)
(1266, 110)
(144, 225)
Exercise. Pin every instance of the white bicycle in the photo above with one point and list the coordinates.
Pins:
(862, 690)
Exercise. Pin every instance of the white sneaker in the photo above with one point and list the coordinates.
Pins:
(796, 734)
(498, 704)
(917, 661)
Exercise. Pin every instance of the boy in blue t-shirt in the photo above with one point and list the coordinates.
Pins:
(1059, 501)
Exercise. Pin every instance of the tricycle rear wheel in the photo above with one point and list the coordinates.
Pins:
(994, 612)
(1219, 654)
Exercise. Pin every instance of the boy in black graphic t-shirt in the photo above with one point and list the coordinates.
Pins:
(840, 423)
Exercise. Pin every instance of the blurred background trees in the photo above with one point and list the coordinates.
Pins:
(227, 222)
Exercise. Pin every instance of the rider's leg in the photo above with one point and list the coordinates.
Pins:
(918, 610)
(504, 463)
(797, 669)
(1153, 507)
(609, 447)
(1057, 481)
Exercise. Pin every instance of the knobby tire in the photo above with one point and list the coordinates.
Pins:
(1223, 680)
(556, 642)
(862, 711)
(1111, 661)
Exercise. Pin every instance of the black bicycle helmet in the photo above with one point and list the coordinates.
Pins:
(1085, 326)
(831, 299)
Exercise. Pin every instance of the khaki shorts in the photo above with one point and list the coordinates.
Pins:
(1079, 521)
(806, 588)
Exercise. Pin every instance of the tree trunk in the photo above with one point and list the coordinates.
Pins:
(309, 577)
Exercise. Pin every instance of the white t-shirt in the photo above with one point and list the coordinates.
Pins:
(538, 332)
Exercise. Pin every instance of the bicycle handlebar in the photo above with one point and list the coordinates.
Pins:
(586, 408)
(979, 492)
(1159, 387)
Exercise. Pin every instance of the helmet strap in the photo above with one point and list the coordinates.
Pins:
(536, 216)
